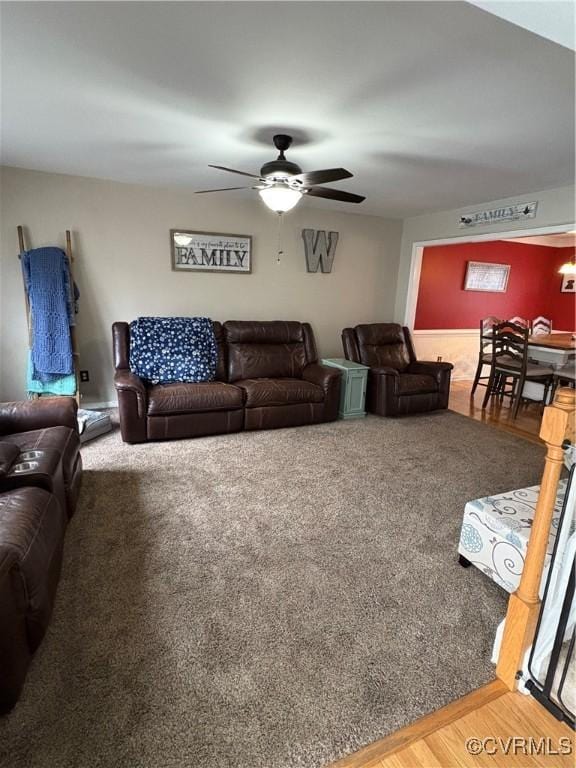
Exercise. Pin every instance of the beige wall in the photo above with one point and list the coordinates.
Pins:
(121, 241)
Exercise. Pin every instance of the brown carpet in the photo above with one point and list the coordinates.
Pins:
(267, 599)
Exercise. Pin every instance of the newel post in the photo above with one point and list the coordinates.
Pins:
(524, 604)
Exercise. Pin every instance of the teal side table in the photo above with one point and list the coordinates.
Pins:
(353, 387)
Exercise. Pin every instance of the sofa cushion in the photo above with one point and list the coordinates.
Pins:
(264, 392)
(383, 345)
(415, 384)
(187, 397)
(273, 349)
(264, 332)
(168, 349)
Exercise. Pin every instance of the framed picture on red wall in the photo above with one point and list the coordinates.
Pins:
(568, 284)
(485, 276)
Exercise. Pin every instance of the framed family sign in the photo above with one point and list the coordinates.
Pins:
(210, 252)
(484, 276)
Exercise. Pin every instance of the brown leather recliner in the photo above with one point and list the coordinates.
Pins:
(398, 383)
(40, 472)
(267, 376)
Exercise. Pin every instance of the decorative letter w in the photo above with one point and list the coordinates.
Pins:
(318, 251)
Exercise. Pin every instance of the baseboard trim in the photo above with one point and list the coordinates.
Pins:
(406, 736)
(91, 405)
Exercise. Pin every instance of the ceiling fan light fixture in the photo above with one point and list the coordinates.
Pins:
(280, 198)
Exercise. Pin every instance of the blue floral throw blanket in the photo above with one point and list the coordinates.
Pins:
(167, 349)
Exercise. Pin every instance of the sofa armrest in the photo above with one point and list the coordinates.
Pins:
(323, 375)
(329, 379)
(26, 415)
(126, 381)
(132, 405)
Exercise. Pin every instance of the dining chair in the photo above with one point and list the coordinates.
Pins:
(516, 320)
(540, 326)
(510, 361)
(485, 354)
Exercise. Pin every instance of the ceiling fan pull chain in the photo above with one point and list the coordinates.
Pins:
(280, 251)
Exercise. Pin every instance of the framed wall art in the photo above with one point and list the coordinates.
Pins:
(484, 276)
(568, 284)
(210, 252)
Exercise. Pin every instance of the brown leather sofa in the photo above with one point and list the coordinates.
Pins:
(398, 384)
(267, 376)
(40, 473)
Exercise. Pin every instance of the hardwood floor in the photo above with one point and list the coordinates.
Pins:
(526, 424)
(508, 729)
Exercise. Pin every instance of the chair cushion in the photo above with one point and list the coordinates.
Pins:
(383, 345)
(415, 384)
(186, 397)
(263, 392)
(533, 370)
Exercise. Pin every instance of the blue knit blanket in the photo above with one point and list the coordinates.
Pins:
(167, 349)
(47, 279)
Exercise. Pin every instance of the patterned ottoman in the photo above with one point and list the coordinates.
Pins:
(495, 533)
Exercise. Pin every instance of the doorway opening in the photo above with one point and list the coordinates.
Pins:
(458, 282)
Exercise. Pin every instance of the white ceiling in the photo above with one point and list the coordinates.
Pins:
(564, 240)
(432, 105)
(552, 19)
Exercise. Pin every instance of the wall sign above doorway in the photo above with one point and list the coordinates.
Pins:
(516, 212)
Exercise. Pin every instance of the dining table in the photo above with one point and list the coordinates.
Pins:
(554, 349)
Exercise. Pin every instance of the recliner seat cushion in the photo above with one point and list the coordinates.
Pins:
(382, 345)
(186, 397)
(269, 392)
(416, 384)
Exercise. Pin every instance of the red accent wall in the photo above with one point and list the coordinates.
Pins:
(533, 286)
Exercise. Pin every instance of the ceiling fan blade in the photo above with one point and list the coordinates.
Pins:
(335, 194)
(322, 177)
(223, 189)
(231, 170)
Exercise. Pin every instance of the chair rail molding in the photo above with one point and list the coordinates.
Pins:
(458, 346)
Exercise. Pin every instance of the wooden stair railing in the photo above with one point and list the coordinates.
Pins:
(558, 425)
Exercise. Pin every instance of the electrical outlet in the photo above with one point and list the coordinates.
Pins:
(84, 376)
(438, 360)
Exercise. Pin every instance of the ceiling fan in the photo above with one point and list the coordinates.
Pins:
(282, 183)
